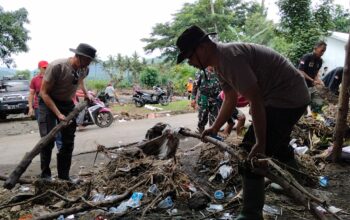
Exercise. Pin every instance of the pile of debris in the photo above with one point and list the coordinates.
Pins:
(140, 183)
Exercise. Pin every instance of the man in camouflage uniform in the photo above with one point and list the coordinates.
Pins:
(206, 88)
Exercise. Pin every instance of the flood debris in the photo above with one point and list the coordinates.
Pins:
(157, 178)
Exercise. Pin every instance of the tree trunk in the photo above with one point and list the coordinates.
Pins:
(343, 108)
(29, 156)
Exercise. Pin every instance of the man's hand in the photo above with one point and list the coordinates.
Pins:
(61, 117)
(193, 104)
(318, 83)
(210, 131)
(31, 111)
(256, 151)
(89, 97)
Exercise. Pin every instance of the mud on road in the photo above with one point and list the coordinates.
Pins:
(17, 125)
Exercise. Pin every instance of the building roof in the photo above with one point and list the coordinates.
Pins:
(340, 36)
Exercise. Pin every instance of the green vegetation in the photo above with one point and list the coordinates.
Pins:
(96, 85)
(149, 76)
(13, 35)
(176, 106)
(24, 74)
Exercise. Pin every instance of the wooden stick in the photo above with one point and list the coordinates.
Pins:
(108, 148)
(84, 207)
(343, 108)
(29, 156)
(20, 181)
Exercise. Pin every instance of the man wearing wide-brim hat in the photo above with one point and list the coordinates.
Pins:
(61, 80)
(276, 91)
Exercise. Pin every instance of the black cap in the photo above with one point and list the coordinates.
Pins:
(189, 40)
(85, 50)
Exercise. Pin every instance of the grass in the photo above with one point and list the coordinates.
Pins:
(176, 106)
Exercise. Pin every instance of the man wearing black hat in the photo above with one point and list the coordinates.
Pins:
(277, 93)
(61, 80)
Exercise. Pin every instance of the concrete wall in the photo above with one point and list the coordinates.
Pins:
(334, 55)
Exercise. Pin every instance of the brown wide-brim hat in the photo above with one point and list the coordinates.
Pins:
(85, 50)
(189, 40)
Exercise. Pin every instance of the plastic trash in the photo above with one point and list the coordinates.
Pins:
(61, 217)
(276, 188)
(69, 217)
(301, 150)
(111, 197)
(225, 171)
(230, 195)
(329, 122)
(153, 189)
(172, 211)
(332, 209)
(217, 137)
(215, 208)
(98, 197)
(345, 154)
(227, 216)
(323, 181)
(121, 209)
(218, 194)
(272, 210)
(135, 200)
(24, 189)
(166, 203)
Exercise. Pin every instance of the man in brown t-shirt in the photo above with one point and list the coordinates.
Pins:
(276, 91)
(59, 86)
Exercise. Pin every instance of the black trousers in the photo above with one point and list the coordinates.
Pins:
(47, 121)
(279, 125)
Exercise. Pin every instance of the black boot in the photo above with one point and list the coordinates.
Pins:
(63, 165)
(253, 198)
(45, 159)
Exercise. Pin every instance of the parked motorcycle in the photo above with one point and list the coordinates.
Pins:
(96, 113)
(159, 96)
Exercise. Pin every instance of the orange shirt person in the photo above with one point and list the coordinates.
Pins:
(189, 87)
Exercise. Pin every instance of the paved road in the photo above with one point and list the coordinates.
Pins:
(13, 148)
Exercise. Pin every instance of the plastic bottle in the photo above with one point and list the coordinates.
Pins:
(135, 200)
(218, 194)
(166, 203)
(323, 181)
(98, 197)
(61, 217)
(153, 189)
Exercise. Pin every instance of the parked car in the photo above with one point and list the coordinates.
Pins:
(13, 97)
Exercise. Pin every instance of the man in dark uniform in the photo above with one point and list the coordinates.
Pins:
(309, 66)
(60, 83)
(276, 91)
(333, 79)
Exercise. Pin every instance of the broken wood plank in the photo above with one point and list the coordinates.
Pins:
(20, 181)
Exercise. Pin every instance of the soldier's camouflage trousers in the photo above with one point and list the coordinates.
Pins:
(207, 112)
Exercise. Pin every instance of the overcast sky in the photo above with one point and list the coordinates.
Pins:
(111, 26)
